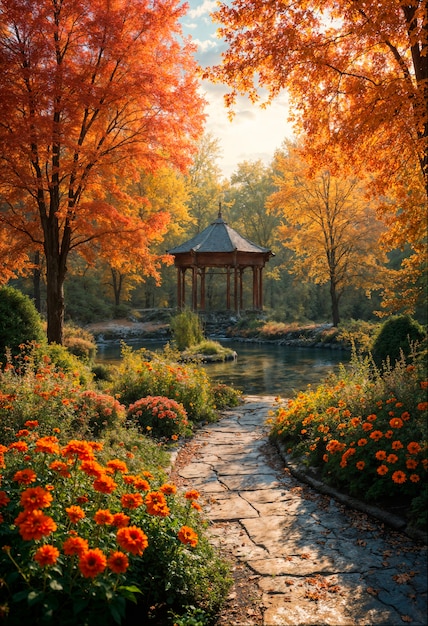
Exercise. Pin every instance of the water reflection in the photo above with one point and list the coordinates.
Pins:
(260, 369)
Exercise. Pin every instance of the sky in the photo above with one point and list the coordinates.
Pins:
(253, 133)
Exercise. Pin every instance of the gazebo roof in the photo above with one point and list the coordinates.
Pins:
(218, 237)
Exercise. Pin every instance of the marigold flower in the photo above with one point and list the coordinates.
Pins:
(424, 384)
(382, 470)
(360, 465)
(131, 500)
(75, 513)
(104, 484)
(48, 445)
(422, 406)
(372, 417)
(187, 536)
(396, 422)
(132, 539)
(399, 477)
(103, 517)
(411, 463)
(388, 434)
(92, 468)
(148, 475)
(31, 423)
(196, 506)
(118, 562)
(392, 458)
(46, 555)
(25, 476)
(61, 468)
(362, 442)
(396, 445)
(380, 455)
(414, 478)
(405, 416)
(24, 432)
(367, 426)
(34, 525)
(92, 562)
(168, 489)
(19, 446)
(75, 545)
(376, 435)
(413, 447)
(120, 520)
(80, 448)
(118, 466)
(192, 494)
(82, 499)
(156, 504)
(4, 498)
(325, 458)
(35, 498)
(355, 421)
(141, 484)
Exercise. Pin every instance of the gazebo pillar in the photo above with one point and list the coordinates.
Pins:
(194, 288)
(228, 288)
(202, 305)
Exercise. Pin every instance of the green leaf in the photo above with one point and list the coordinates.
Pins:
(79, 605)
(21, 595)
(34, 597)
(128, 592)
(55, 585)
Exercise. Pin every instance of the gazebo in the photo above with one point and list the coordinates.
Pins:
(219, 246)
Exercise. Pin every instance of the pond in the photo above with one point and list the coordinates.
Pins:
(260, 369)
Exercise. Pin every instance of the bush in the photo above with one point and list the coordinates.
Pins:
(160, 417)
(186, 329)
(96, 411)
(20, 322)
(226, 396)
(396, 336)
(80, 342)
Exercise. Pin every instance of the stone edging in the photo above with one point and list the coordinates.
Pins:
(393, 521)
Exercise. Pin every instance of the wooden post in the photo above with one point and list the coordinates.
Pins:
(194, 288)
(203, 288)
(228, 288)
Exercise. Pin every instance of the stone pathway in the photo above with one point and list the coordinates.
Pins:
(316, 562)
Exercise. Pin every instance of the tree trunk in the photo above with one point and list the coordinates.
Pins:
(54, 301)
(36, 282)
(334, 303)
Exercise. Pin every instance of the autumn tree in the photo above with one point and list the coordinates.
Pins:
(89, 90)
(329, 225)
(357, 76)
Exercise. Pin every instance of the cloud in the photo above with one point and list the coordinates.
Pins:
(203, 9)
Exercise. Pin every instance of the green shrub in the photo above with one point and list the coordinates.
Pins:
(20, 322)
(62, 358)
(186, 329)
(96, 412)
(226, 396)
(396, 336)
(80, 342)
(160, 417)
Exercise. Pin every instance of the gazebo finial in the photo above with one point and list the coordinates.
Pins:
(219, 211)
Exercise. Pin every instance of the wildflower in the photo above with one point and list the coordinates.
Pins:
(92, 468)
(25, 476)
(396, 445)
(362, 442)
(325, 458)
(355, 421)
(132, 539)
(405, 416)
(141, 484)
(414, 478)
(81, 449)
(118, 562)
(188, 536)
(376, 435)
(4, 498)
(413, 447)
(61, 468)
(156, 504)
(22, 433)
(48, 445)
(399, 477)
(422, 406)
(196, 506)
(396, 422)
(104, 484)
(34, 525)
(148, 475)
(382, 470)
(392, 458)
(19, 446)
(118, 466)
(92, 563)
(168, 489)
(120, 520)
(35, 498)
(388, 434)
(46, 555)
(75, 513)
(372, 417)
(75, 545)
(411, 463)
(103, 517)
(360, 465)
(367, 426)
(380, 455)
(131, 500)
(31, 424)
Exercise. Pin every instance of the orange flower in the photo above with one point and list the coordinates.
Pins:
(414, 478)
(389, 434)
(360, 465)
(104, 484)
(367, 426)
(396, 445)
(35, 498)
(413, 447)
(131, 500)
(31, 423)
(411, 463)
(141, 484)
(75, 545)
(196, 506)
(168, 489)
(120, 520)
(192, 494)
(405, 416)
(156, 504)
(362, 442)
(61, 468)
(118, 466)
(81, 449)
(325, 458)
(46, 555)
(399, 477)
(396, 422)
(382, 470)
(103, 517)
(22, 433)
(34, 525)
(355, 421)
(392, 458)
(75, 513)
(49, 445)
(132, 539)
(4, 498)
(25, 476)
(92, 468)
(376, 435)
(371, 418)
(423, 406)
(380, 455)
(188, 536)
(118, 562)
(82, 499)
(92, 563)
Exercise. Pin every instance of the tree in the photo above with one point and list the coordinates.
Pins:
(89, 89)
(357, 75)
(329, 226)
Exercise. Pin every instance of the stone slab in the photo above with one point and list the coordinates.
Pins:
(232, 508)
